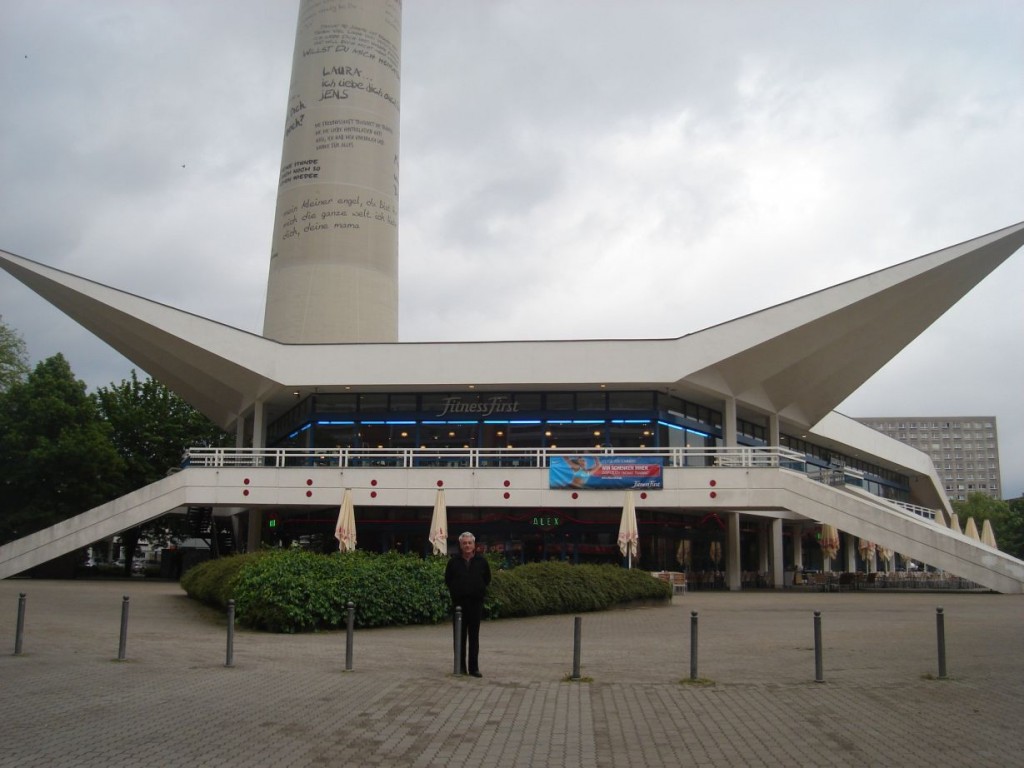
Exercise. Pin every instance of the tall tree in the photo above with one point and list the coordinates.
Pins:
(56, 455)
(151, 428)
(1007, 519)
(13, 357)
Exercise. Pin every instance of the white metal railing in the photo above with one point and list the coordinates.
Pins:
(477, 458)
(914, 509)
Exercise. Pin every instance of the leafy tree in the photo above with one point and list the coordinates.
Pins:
(1011, 539)
(13, 357)
(1007, 519)
(56, 455)
(151, 428)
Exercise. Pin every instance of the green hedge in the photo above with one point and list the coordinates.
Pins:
(294, 591)
(549, 588)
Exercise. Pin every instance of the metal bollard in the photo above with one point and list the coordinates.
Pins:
(19, 634)
(457, 628)
(124, 629)
(940, 629)
(349, 634)
(819, 675)
(230, 661)
(577, 632)
(693, 645)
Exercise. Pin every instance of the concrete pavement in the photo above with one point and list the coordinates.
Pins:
(287, 701)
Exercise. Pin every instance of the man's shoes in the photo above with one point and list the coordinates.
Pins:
(475, 673)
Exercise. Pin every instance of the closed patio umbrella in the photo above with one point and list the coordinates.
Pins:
(715, 552)
(629, 534)
(439, 525)
(885, 554)
(829, 541)
(345, 530)
(683, 556)
(867, 551)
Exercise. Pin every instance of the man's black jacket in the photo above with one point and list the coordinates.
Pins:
(467, 579)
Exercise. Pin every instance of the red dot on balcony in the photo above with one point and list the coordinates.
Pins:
(713, 495)
(575, 495)
(714, 483)
(246, 481)
(507, 483)
(309, 481)
(373, 482)
(440, 483)
(308, 494)
(373, 494)
(643, 495)
(245, 492)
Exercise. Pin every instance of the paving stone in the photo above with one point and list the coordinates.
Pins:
(287, 701)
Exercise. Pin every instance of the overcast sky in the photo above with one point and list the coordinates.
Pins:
(570, 169)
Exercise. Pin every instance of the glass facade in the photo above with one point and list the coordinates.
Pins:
(530, 420)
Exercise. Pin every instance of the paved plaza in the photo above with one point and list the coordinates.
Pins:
(288, 701)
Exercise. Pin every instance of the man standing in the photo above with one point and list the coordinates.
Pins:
(467, 576)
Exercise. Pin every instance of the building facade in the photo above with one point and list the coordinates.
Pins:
(964, 449)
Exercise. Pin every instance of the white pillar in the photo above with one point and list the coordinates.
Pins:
(732, 552)
(776, 558)
(798, 546)
(334, 256)
(259, 428)
(773, 429)
(255, 533)
(763, 554)
(729, 422)
(851, 553)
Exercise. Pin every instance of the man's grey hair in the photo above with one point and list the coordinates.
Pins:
(466, 535)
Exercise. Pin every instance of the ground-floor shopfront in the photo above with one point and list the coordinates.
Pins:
(693, 542)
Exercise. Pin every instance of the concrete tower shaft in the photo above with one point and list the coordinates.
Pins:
(334, 259)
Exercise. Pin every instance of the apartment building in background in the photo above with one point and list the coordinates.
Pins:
(964, 449)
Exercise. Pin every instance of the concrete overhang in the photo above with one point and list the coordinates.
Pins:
(798, 359)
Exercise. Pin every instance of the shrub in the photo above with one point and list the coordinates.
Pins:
(556, 587)
(213, 581)
(295, 591)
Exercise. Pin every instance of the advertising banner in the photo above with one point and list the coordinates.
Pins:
(605, 472)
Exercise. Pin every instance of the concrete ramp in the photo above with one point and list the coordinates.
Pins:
(869, 517)
(141, 506)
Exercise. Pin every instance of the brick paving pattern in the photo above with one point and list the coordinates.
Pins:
(288, 701)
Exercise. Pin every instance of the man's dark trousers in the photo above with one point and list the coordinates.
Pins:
(472, 614)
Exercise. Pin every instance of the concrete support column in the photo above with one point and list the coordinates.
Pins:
(776, 558)
(851, 552)
(798, 546)
(729, 422)
(732, 552)
(763, 553)
(773, 429)
(259, 427)
(255, 534)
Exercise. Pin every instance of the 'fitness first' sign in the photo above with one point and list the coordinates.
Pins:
(605, 472)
